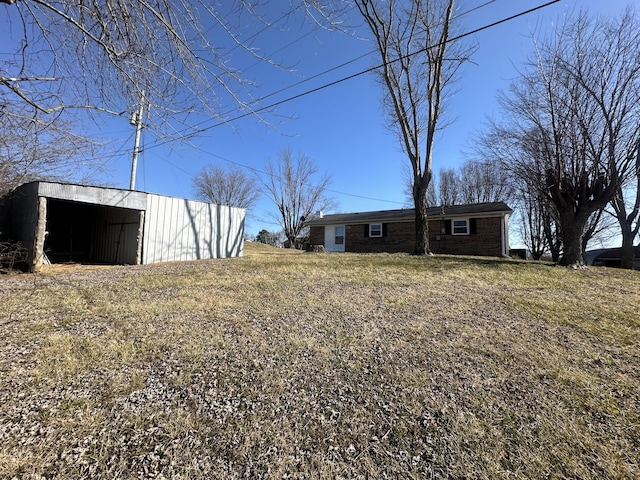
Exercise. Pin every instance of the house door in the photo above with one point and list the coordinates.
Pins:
(334, 238)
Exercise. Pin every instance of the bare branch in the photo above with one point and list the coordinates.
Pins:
(292, 185)
(571, 122)
(226, 187)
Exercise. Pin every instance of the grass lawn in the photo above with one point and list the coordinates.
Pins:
(285, 364)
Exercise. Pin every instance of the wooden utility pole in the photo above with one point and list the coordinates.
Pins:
(136, 119)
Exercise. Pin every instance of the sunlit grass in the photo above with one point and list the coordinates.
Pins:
(289, 364)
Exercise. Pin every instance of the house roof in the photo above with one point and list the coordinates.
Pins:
(610, 253)
(408, 214)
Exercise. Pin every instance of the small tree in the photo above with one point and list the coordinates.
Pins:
(292, 185)
(268, 238)
(537, 228)
(628, 213)
(229, 186)
(484, 181)
(419, 66)
(628, 218)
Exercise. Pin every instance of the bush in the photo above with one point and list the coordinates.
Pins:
(13, 256)
(269, 238)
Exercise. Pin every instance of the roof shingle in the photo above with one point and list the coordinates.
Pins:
(408, 214)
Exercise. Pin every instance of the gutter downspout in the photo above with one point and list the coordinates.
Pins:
(504, 234)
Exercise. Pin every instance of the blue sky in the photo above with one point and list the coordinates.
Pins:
(342, 127)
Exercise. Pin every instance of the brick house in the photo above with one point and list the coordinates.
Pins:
(474, 229)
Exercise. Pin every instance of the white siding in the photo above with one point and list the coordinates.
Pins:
(178, 229)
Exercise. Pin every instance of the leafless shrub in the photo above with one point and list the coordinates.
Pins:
(12, 256)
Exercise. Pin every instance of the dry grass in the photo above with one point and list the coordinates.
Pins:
(290, 365)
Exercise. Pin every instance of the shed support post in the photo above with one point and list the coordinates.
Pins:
(140, 238)
(41, 231)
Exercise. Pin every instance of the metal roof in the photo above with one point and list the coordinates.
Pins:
(408, 214)
(114, 197)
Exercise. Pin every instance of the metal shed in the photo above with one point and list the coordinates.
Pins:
(59, 222)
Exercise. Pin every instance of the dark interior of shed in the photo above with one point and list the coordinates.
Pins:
(89, 233)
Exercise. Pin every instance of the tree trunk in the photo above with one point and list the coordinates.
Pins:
(551, 239)
(422, 223)
(627, 253)
(572, 232)
(625, 220)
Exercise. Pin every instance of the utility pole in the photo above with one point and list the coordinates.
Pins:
(136, 120)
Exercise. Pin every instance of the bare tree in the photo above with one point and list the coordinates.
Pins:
(449, 187)
(474, 182)
(34, 146)
(484, 181)
(106, 56)
(293, 186)
(419, 68)
(538, 228)
(573, 116)
(628, 215)
(229, 186)
(520, 161)
(533, 221)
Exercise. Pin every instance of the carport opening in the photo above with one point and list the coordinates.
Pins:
(89, 233)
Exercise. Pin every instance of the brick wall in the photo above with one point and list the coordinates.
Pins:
(486, 241)
(400, 237)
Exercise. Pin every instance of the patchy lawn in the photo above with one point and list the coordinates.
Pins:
(295, 365)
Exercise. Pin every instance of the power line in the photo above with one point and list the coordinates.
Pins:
(337, 67)
(336, 82)
(371, 69)
(352, 76)
(260, 171)
(332, 69)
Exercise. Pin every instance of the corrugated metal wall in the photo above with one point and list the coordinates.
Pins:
(111, 197)
(102, 225)
(114, 236)
(24, 216)
(178, 229)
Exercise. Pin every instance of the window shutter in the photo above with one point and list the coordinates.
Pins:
(366, 230)
(472, 226)
(384, 229)
(447, 227)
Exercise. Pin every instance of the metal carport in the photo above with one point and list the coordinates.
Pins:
(57, 222)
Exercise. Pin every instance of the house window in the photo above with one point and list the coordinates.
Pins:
(339, 234)
(460, 227)
(375, 230)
